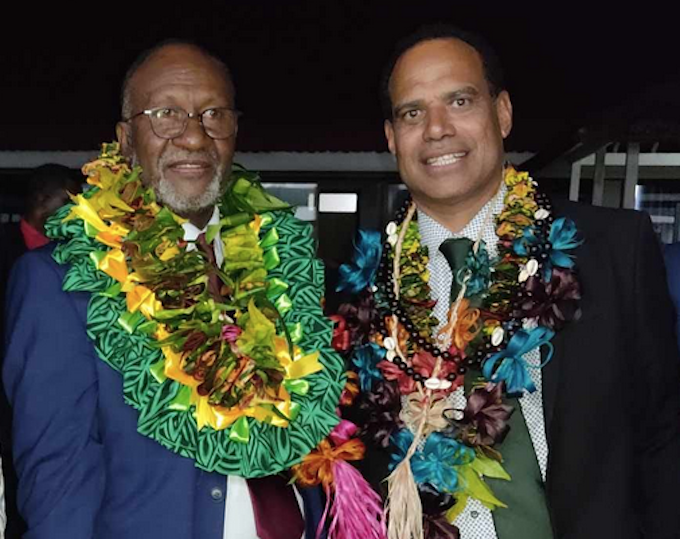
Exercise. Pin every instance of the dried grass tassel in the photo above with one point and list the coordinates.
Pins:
(404, 510)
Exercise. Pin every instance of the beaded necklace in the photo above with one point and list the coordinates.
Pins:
(520, 299)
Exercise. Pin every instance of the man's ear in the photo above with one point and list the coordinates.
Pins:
(504, 113)
(389, 135)
(124, 138)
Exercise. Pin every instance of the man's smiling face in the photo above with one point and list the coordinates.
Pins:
(447, 129)
(188, 171)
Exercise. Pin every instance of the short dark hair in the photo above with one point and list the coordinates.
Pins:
(148, 53)
(493, 71)
(47, 180)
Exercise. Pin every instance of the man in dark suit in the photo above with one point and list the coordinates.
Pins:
(48, 189)
(84, 469)
(601, 420)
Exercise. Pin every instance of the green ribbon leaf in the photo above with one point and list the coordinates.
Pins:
(148, 327)
(90, 230)
(240, 431)
(296, 332)
(297, 387)
(283, 304)
(129, 321)
(271, 259)
(112, 291)
(212, 232)
(276, 287)
(476, 488)
(488, 467)
(182, 402)
(158, 371)
(267, 219)
(270, 239)
(97, 257)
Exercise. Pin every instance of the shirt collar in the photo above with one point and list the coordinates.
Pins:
(191, 231)
(433, 233)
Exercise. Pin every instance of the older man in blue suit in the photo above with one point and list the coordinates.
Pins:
(84, 470)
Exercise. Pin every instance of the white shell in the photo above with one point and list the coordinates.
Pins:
(374, 288)
(541, 214)
(389, 343)
(497, 336)
(391, 354)
(445, 384)
(433, 383)
(532, 267)
(523, 275)
(391, 228)
(392, 239)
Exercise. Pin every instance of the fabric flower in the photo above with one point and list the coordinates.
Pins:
(360, 318)
(479, 266)
(485, 418)
(341, 335)
(417, 410)
(366, 359)
(554, 303)
(230, 332)
(562, 237)
(423, 363)
(360, 274)
(380, 411)
(436, 463)
(393, 373)
(509, 365)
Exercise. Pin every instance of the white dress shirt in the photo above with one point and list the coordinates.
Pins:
(476, 521)
(239, 517)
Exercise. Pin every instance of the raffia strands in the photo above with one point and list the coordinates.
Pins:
(404, 510)
(357, 511)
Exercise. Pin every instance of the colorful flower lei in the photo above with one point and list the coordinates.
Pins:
(512, 305)
(221, 362)
(229, 364)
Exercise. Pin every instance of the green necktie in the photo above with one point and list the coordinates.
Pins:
(527, 514)
(455, 250)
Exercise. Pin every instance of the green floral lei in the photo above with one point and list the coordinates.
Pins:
(230, 366)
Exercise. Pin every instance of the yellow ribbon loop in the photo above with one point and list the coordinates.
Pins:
(298, 366)
(87, 212)
(142, 299)
(114, 264)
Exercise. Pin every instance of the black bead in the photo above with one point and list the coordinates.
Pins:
(418, 377)
(402, 365)
(410, 371)
(451, 376)
(435, 351)
(462, 370)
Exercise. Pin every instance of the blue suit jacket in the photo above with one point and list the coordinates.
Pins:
(84, 471)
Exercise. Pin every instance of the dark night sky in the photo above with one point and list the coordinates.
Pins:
(307, 72)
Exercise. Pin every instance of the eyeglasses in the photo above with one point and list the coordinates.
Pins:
(171, 122)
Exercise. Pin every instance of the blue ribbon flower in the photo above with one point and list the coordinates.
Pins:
(479, 266)
(513, 367)
(436, 463)
(361, 272)
(366, 359)
(562, 237)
